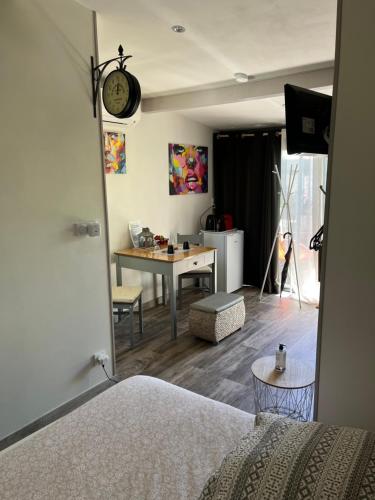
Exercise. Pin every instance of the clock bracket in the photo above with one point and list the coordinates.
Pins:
(97, 73)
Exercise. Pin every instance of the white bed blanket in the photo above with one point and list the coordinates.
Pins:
(141, 439)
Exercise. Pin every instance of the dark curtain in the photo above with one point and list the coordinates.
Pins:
(246, 188)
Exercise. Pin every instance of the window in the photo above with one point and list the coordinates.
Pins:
(307, 215)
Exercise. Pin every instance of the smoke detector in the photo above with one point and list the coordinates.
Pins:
(177, 28)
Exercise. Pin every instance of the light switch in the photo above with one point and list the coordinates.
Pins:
(80, 229)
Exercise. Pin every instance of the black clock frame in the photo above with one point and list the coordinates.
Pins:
(134, 95)
(134, 87)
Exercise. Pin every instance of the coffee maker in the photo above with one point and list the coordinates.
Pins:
(219, 222)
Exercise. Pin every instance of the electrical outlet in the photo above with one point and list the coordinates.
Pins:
(93, 228)
(101, 357)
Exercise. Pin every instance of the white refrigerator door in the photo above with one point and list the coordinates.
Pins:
(234, 261)
(217, 240)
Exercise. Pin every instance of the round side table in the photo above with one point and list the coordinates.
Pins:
(288, 393)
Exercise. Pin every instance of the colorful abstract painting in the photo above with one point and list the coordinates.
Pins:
(188, 169)
(114, 153)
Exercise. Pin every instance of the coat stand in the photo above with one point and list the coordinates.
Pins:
(286, 197)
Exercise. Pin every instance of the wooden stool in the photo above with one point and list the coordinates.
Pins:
(124, 298)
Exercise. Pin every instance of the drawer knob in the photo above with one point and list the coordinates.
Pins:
(195, 263)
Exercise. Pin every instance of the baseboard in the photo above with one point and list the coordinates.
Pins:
(53, 415)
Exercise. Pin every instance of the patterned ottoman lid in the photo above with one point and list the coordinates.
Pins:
(217, 302)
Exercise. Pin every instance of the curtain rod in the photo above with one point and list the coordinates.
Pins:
(248, 134)
(263, 134)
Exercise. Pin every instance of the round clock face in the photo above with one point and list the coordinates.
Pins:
(116, 92)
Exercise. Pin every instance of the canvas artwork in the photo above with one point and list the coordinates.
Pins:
(114, 153)
(188, 169)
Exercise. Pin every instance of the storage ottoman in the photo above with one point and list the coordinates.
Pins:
(217, 316)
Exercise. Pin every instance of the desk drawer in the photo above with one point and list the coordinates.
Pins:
(194, 263)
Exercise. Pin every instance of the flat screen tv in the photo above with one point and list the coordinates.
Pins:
(307, 115)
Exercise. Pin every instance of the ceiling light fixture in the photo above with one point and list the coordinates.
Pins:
(177, 28)
(241, 77)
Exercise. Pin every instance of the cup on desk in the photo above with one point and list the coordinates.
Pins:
(170, 249)
(185, 245)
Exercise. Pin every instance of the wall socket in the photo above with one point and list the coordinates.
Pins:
(87, 228)
(100, 357)
(93, 229)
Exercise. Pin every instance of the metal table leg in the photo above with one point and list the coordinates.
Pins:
(140, 312)
(172, 301)
(131, 328)
(214, 274)
(118, 271)
(163, 289)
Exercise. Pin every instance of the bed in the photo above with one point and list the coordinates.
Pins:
(141, 439)
(145, 439)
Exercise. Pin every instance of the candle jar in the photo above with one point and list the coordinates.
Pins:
(146, 238)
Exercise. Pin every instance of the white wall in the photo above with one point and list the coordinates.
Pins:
(347, 326)
(54, 307)
(143, 193)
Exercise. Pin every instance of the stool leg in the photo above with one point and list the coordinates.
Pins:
(140, 312)
(131, 327)
(163, 288)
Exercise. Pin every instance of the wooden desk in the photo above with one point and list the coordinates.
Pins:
(170, 266)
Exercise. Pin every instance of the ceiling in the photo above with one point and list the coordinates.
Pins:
(222, 37)
(266, 112)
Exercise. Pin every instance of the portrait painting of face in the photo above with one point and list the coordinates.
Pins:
(114, 153)
(188, 169)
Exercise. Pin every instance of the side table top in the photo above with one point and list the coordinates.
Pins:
(296, 375)
(151, 254)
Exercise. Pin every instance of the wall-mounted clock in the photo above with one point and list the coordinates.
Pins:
(121, 93)
(121, 90)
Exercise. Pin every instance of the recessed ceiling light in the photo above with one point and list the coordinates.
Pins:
(177, 28)
(241, 77)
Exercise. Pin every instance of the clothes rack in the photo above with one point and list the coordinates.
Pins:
(285, 206)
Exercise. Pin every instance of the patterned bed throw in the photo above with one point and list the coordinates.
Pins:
(285, 459)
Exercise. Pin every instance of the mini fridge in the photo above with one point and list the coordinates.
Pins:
(229, 246)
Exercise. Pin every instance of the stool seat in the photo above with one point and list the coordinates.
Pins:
(217, 302)
(200, 270)
(125, 294)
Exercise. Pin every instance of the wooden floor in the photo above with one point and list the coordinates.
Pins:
(220, 372)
